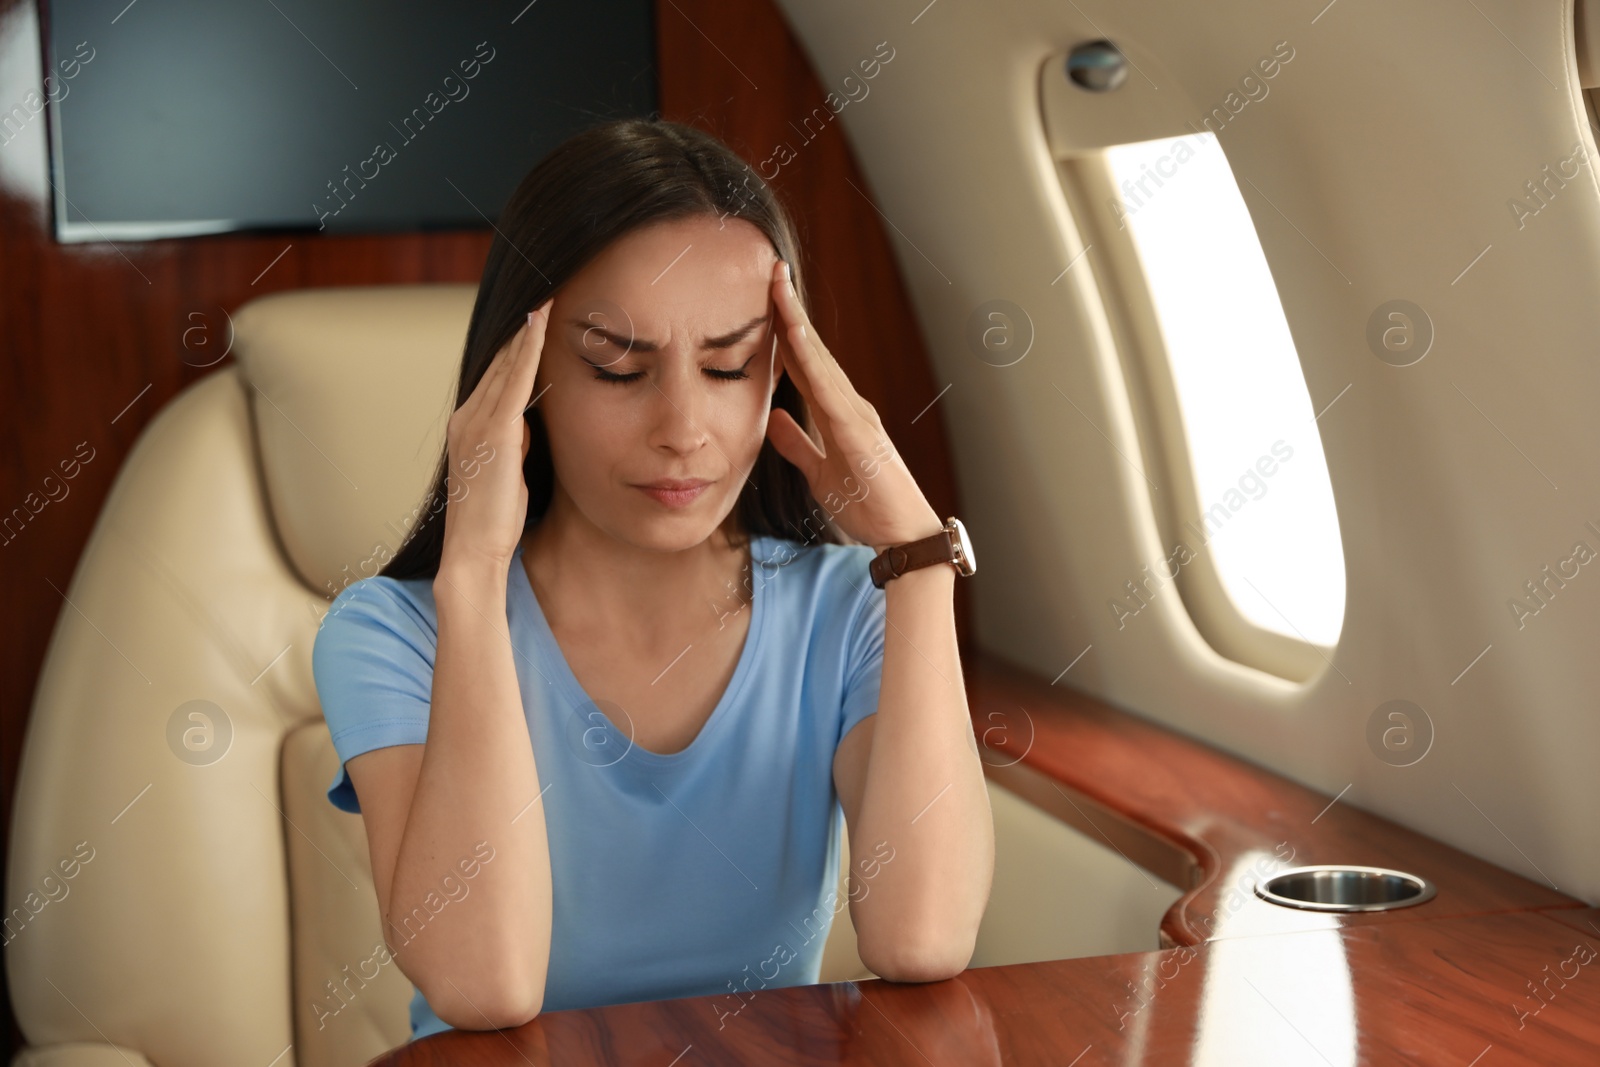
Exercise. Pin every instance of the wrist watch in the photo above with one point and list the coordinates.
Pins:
(949, 545)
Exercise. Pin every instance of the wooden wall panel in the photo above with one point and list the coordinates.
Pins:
(96, 338)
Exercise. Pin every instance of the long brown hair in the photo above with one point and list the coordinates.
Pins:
(598, 185)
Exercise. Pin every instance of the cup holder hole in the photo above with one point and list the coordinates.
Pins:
(1345, 888)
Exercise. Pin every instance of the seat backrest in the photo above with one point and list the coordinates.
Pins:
(154, 760)
(181, 888)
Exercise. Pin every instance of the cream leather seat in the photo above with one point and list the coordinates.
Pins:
(183, 893)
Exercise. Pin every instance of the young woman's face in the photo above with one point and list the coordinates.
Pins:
(682, 312)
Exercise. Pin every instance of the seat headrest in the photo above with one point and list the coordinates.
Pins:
(351, 389)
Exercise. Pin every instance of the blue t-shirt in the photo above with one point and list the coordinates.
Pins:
(708, 870)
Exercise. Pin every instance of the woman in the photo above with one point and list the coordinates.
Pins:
(602, 719)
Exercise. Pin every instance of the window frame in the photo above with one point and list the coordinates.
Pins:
(1086, 179)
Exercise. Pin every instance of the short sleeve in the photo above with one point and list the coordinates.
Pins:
(863, 674)
(372, 662)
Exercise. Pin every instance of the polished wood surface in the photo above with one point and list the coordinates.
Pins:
(98, 337)
(1495, 970)
(1444, 991)
(1204, 820)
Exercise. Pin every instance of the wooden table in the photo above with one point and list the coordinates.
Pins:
(1495, 970)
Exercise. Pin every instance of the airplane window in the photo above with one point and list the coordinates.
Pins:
(1265, 510)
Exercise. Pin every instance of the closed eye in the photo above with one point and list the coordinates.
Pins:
(737, 374)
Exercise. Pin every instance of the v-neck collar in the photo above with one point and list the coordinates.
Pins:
(581, 716)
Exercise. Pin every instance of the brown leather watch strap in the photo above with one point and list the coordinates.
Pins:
(898, 559)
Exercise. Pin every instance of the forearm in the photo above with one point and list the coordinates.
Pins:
(485, 955)
(924, 794)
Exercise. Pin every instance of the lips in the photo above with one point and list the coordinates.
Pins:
(675, 483)
(674, 492)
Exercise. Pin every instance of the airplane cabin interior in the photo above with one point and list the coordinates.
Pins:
(1238, 361)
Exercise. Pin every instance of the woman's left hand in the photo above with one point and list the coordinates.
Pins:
(856, 475)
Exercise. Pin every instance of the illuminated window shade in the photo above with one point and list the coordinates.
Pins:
(1265, 507)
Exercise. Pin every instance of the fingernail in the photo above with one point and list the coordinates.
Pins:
(530, 319)
(787, 276)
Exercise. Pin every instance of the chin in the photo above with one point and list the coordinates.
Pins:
(664, 533)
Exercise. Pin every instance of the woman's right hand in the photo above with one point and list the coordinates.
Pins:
(488, 440)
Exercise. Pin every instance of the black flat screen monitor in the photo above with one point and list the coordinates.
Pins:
(172, 118)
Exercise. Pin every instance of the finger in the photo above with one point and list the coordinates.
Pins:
(828, 406)
(794, 444)
(797, 312)
(788, 364)
(798, 372)
(505, 360)
(824, 443)
(813, 432)
(829, 384)
(519, 376)
(487, 392)
(774, 362)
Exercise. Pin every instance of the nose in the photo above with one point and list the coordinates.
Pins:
(679, 422)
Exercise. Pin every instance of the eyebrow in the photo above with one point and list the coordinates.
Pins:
(727, 340)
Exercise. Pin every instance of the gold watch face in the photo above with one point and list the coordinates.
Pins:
(966, 562)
